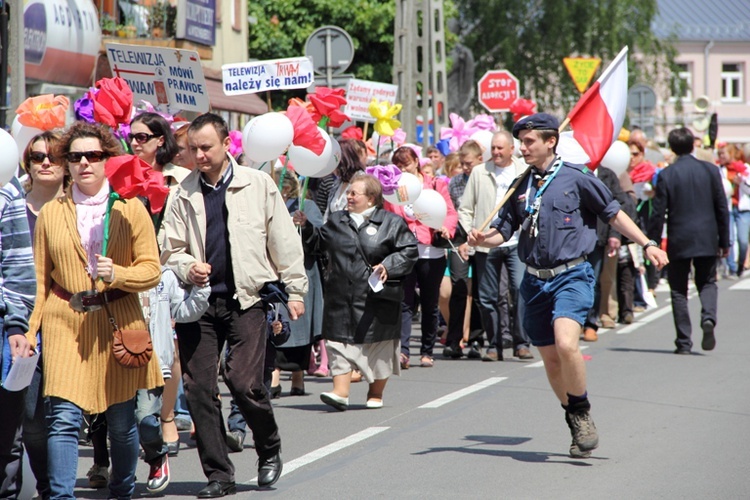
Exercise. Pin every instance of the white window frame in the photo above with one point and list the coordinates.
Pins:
(687, 76)
(727, 77)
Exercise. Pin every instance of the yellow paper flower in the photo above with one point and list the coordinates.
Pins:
(624, 135)
(383, 113)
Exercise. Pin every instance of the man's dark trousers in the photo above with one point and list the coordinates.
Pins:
(705, 282)
(200, 348)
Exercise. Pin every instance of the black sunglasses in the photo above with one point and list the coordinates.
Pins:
(91, 156)
(38, 157)
(142, 137)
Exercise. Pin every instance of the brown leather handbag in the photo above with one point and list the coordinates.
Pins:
(131, 348)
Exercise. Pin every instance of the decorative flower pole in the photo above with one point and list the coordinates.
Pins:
(385, 123)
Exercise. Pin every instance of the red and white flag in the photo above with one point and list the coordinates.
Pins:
(597, 118)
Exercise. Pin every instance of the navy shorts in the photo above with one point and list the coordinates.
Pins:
(567, 295)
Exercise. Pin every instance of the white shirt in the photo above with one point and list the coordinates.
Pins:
(504, 177)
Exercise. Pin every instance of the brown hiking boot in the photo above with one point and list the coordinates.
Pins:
(583, 430)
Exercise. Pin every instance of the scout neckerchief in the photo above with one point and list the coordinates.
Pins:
(532, 210)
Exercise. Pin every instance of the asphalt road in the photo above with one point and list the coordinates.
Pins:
(672, 427)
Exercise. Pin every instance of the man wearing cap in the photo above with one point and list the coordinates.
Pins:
(556, 206)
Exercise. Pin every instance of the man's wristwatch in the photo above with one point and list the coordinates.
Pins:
(650, 243)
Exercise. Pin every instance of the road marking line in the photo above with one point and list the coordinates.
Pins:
(642, 322)
(327, 450)
(463, 392)
(742, 285)
(539, 364)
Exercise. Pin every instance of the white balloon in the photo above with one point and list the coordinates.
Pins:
(267, 136)
(430, 209)
(617, 158)
(570, 150)
(307, 163)
(23, 135)
(333, 161)
(8, 157)
(409, 190)
(484, 138)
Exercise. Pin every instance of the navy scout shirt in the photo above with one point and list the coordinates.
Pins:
(567, 216)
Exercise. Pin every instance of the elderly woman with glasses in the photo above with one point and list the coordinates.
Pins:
(369, 249)
(81, 373)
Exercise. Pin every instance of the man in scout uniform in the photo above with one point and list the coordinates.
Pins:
(556, 206)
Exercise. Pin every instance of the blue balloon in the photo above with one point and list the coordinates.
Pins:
(444, 146)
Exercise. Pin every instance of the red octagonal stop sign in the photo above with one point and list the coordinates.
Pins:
(497, 90)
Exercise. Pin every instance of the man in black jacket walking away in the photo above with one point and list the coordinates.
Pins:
(690, 191)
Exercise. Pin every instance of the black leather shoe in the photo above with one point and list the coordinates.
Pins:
(217, 489)
(269, 470)
(235, 441)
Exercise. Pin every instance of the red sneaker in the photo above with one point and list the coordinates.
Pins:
(158, 475)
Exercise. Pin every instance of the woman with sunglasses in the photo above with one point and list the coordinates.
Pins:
(46, 180)
(80, 371)
(152, 140)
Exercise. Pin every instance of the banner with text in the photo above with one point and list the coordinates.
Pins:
(359, 94)
(260, 76)
(170, 78)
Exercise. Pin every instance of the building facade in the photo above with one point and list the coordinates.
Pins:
(713, 44)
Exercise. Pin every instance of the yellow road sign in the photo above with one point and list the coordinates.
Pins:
(581, 70)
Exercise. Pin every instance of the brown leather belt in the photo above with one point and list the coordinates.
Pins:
(89, 300)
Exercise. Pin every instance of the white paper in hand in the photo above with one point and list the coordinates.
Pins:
(374, 282)
(21, 373)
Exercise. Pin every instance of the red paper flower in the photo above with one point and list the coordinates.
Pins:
(352, 132)
(113, 103)
(522, 107)
(129, 176)
(306, 131)
(327, 103)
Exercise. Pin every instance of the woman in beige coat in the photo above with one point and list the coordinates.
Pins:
(81, 373)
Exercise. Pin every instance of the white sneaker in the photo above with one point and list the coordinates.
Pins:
(98, 476)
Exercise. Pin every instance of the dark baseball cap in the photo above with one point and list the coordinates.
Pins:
(537, 121)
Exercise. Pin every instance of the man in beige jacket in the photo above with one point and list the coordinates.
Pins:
(486, 187)
(229, 228)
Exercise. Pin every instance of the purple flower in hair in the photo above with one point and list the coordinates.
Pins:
(388, 175)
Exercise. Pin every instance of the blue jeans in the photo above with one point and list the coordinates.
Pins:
(733, 227)
(743, 229)
(148, 415)
(180, 405)
(489, 292)
(63, 421)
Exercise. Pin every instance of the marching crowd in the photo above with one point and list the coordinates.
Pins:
(237, 278)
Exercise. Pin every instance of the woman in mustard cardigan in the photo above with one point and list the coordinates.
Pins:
(81, 374)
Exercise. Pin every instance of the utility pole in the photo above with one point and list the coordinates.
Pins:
(11, 29)
(419, 66)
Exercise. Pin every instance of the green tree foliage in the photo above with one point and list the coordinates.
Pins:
(283, 26)
(531, 37)
(281, 29)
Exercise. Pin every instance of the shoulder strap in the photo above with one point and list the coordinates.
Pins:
(361, 252)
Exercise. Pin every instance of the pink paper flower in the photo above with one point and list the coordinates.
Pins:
(399, 138)
(235, 146)
(459, 133)
(483, 122)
